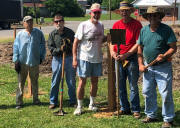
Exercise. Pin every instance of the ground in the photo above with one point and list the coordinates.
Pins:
(45, 68)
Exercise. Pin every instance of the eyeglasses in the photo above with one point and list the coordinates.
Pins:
(56, 21)
(97, 12)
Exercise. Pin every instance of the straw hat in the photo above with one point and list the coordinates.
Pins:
(126, 5)
(95, 7)
(153, 10)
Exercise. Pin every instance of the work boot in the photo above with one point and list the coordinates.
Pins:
(137, 115)
(167, 125)
(149, 120)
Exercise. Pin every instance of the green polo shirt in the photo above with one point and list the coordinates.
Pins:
(155, 43)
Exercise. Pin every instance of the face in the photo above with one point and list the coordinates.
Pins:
(125, 13)
(154, 18)
(59, 22)
(95, 16)
(28, 24)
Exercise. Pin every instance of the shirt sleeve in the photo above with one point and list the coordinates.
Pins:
(172, 37)
(139, 41)
(16, 49)
(79, 32)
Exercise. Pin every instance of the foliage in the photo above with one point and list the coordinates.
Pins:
(114, 3)
(66, 7)
(30, 11)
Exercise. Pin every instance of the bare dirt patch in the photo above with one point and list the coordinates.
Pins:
(6, 53)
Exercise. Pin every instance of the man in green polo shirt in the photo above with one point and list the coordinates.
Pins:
(157, 43)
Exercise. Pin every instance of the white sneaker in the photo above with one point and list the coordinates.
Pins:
(78, 111)
(93, 108)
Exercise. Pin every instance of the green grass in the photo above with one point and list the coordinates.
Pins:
(32, 116)
(87, 16)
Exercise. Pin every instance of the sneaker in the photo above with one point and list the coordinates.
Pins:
(52, 106)
(167, 125)
(93, 108)
(149, 120)
(78, 111)
(137, 115)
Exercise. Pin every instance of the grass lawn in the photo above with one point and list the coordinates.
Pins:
(32, 116)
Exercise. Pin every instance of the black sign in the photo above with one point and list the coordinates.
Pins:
(118, 36)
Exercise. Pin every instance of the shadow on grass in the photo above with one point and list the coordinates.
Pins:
(24, 105)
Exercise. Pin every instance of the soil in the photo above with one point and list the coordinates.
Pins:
(6, 54)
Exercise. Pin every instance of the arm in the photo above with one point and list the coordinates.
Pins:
(129, 53)
(16, 50)
(74, 50)
(42, 48)
(168, 54)
(142, 68)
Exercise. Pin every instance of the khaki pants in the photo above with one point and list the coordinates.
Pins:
(34, 75)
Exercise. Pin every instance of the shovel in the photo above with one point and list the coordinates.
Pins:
(61, 112)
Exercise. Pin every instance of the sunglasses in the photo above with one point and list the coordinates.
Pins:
(97, 12)
(153, 15)
(56, 21)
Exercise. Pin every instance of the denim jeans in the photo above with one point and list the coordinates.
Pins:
(160, 76)
(70, 74)
(131, 71)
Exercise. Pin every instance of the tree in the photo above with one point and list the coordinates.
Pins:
(64, 7)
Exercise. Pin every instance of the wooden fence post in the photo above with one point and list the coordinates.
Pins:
(111, 80)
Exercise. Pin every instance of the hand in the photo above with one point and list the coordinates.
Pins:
(65, 44)
(160, 58)
(17, 67)
(142, 68)
(74, 63)
(115, 56)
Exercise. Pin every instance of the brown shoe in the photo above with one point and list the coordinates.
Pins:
(128, 112)
(149, 120)
(137, 115)
(121, 112)
(52, 106)
(167, 125)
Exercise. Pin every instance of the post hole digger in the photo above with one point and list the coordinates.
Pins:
(61, 111)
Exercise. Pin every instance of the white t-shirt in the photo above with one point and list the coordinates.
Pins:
(91, 36)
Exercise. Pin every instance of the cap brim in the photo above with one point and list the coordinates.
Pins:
(96, 10)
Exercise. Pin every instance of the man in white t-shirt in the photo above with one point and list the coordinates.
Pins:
(87, 56)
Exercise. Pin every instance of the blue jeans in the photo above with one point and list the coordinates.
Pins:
(160, 76)
(70, 74)
(131, 71)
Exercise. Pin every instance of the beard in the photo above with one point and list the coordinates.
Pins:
(59, 27)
